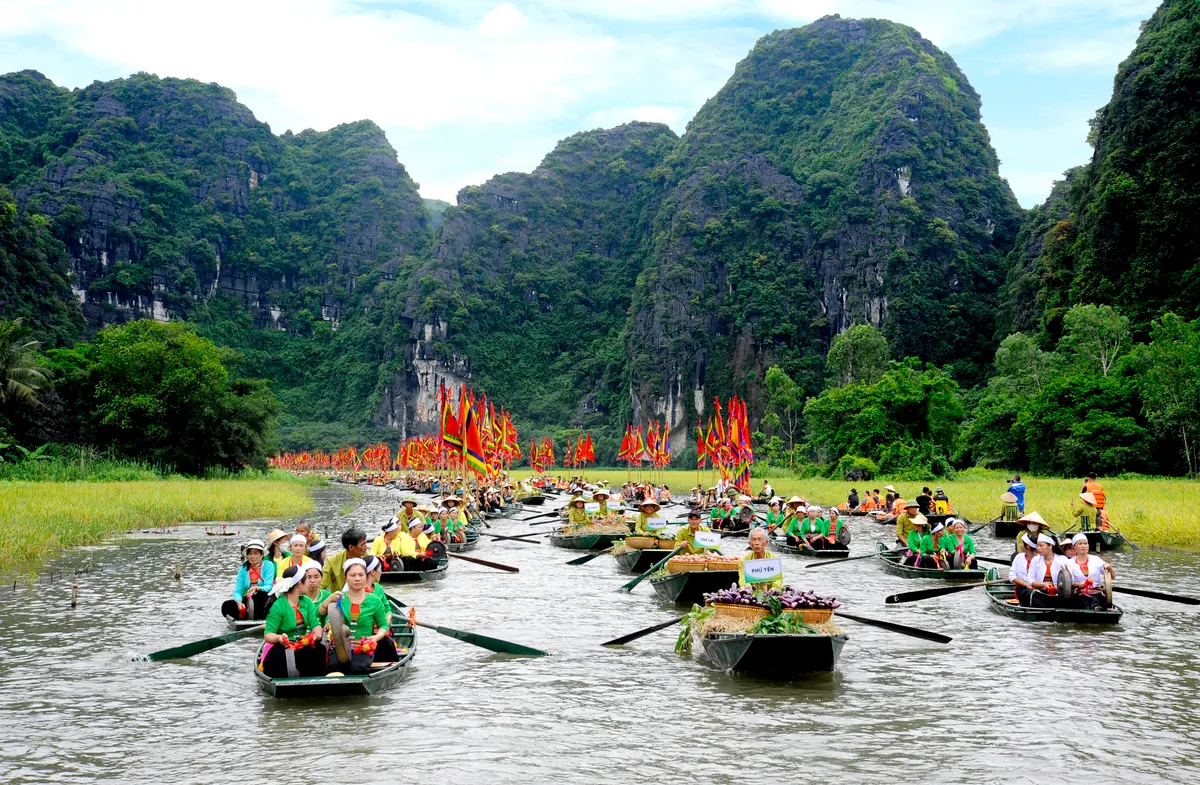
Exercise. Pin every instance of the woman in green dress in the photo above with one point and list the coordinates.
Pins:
(292, 631)
(774, 516)
(364, 619)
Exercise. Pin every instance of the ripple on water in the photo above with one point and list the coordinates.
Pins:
(1005, 702)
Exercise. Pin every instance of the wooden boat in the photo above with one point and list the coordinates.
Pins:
(376, 681)
(1099, 541)
(812, 553)
(471, 543)
(1002, 601)
(637, 562)
(416, 576)
(584, 541)
(536, 500)
(773, 656)
(1005, 529)
(891, 563)
(689, 588)
(241, 624)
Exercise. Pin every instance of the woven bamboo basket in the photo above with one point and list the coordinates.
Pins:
(811, 615)
(666, 544)
(722, 566)
(751, 612)
(685, 566)
(640, 543)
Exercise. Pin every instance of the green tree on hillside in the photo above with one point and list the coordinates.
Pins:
(1169, 378)
(1095, 336)
(786, 403)
(160, 393)
(22, 379)
(858, 355)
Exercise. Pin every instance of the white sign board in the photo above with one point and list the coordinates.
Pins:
(591, 507)
(708, 540)
(655, 524)
(762, 570)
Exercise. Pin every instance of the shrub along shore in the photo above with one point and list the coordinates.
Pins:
(39, 519)
(1150, 511)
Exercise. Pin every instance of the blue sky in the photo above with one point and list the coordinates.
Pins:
(470, 88)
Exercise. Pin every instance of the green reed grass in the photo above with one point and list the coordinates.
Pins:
(39, 519)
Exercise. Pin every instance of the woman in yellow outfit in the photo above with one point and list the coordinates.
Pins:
(576, 514)
(411, 547)
(648, 520)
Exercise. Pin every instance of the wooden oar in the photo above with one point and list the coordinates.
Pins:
(980, 528)
(630, 586)
(1157, 595)
(828, 562)
(633, 636)
(492, 564)
(925, 594)
(590, 556)
(482, 641)
(516, 538)
(199, 647)
(900, 628)
(543, 515)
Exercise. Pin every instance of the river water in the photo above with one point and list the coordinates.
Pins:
(1006, 702)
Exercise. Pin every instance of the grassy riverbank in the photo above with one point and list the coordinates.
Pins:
(1148, 511)
(39, 519)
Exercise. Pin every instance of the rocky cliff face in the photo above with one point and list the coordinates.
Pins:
(169, 192)
(842, 175)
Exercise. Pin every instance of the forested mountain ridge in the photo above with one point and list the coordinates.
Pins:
(842, 176)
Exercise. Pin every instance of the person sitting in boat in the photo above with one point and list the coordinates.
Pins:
(774, 517)
(252, 585)
(277, 541)
(455, 506)
(1035, 524)
(721, 516)
(411, 547)
(904, 520)
(311, 588)
(941, 502)
(362, 635)
(957, 548)
(852, 501)
(1092, 486)
(316, 551)
(292, 631)
(758, 550)
(297, 554)
(766, 493)
(685, 536)
(1044, 573)
(374, 584)
(1017, 489)
(302, 527)
(1087, 514)
(577, 514)
(354, 544)
(1009, 511)
(408, 511)
(1087, 576)
(924, 501)
(601, 496)
(805, 531)
(921, 550)
(648, 520)
(664, 495)
(696, 497)
(382, 545)
(1066, 546)
(889, 500)
(869, 502)
(793, 508)
(835, 531)
(1018, 572)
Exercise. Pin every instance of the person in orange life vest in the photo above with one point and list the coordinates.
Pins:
(252, 585)
(1087, 576)
(1044, 572)
(1096, 489)
(1018, 572)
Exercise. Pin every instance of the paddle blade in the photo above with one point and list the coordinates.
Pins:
(484, 642)
(925, 594)
(199, 647)
(633, 636)
(633, 583)
(899, 628)
(590, 556)
(1157, 595)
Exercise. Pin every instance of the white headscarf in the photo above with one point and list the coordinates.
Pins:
(1046, 538)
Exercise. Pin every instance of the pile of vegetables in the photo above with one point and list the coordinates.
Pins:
(788, 598)
(609, 524)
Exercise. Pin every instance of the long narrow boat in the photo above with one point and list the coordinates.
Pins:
(376, 681)
(241, 624)
(637, 562)
(773, 656)
(472, 542)
(891, 563)
(1005, 529)
(584, 541)
(416, 576)
(537, 499)
(812, 553)
(1000, 597)
(1099, 541)
(688, 588)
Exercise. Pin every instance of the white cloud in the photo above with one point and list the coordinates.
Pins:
(501, 21)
